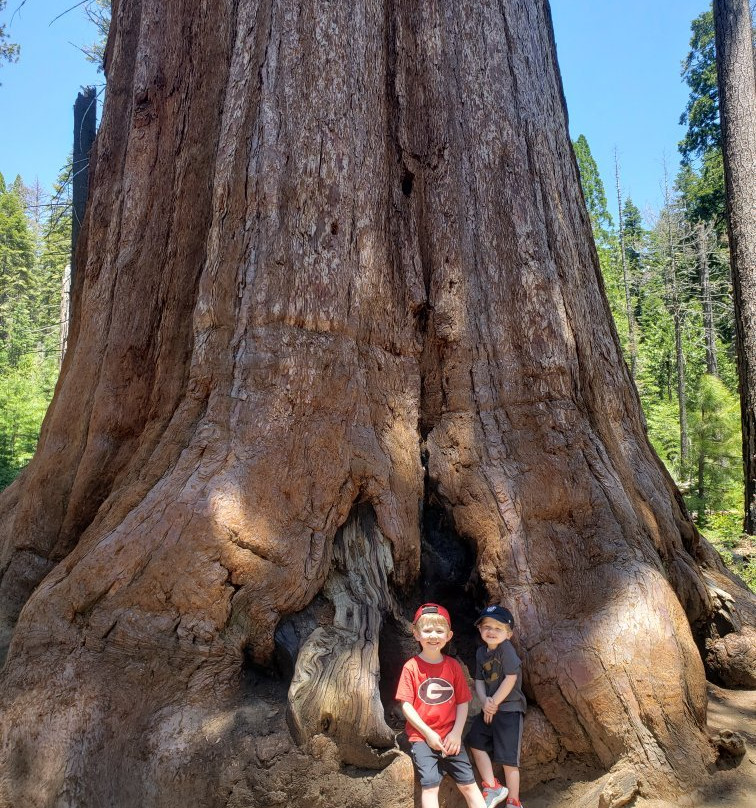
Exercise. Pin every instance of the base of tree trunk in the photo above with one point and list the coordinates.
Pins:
(247, 756)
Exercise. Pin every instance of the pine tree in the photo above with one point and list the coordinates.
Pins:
(16, 264)
(593, 191)
(55, 256)
(715, 448)
(699, 69)
(604, 236)
(16, 331)
(34, 251)
(627, 280)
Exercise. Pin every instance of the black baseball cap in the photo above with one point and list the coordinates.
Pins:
(498, 613)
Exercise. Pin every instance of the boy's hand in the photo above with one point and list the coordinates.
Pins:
(490, 708)
(453, 743)
(433, 739)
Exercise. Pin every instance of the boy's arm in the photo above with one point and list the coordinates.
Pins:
(491, 703)
(432, 738)
(505, 688)
(453, 741)
(489, 708)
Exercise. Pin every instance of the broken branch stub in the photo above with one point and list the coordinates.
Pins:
(335, 686)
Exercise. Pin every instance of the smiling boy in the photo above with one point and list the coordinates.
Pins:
(435, 698)
(496, 733)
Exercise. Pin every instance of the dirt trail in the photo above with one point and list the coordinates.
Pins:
(729, 787)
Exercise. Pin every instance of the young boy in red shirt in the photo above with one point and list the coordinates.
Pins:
(435, 698)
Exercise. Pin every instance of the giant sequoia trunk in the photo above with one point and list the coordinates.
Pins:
(736, 79)
(340, 344)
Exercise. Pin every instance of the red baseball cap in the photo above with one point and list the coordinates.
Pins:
(431, 608)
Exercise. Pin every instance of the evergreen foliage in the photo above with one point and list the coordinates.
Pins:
(635, 238)
(699, 70)
(34, 251)
(700, 445)
(604, 236)
(8, 50)
(98, 12)
(680, 296)
(704, 190)
(703, 170)
(715, 434)
(593, 190)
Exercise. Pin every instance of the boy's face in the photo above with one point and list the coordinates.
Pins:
(493, 632)
(432, 635)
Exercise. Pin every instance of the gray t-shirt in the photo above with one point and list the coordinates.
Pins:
(492, 666)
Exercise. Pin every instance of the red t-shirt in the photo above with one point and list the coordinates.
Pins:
(434, 689)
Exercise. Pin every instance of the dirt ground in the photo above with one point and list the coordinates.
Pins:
(263, 768)
(733, 710)
(733, 785)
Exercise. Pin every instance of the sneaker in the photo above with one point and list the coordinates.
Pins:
(514, 803)
(495, 794)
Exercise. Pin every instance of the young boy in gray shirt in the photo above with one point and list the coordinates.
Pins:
(496, 733)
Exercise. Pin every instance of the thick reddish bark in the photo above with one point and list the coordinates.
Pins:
(340, 320)
(736, 79)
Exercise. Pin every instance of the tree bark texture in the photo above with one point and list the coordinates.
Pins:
(736, 79)
(339, 320)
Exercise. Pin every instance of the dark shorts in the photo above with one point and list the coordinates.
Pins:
(432, 765)
(502, 738)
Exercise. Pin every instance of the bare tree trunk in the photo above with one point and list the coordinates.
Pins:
(706, 301)
(85, 127)
(36, 199)
(632, 344)
(736, 78)
(65, 312)
(678, 317)
(339, 320)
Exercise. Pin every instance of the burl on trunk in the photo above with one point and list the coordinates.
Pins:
(337, 278)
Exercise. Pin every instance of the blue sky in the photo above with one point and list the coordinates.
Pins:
(38, 92)
(620, 65)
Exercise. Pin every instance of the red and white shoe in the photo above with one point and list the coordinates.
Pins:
(495, 794)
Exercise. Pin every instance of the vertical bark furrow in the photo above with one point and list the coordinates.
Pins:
(119, 371)
(528, 524)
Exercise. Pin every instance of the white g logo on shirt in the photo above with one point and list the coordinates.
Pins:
(435, 691)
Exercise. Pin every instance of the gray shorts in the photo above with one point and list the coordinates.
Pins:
(432, 765)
